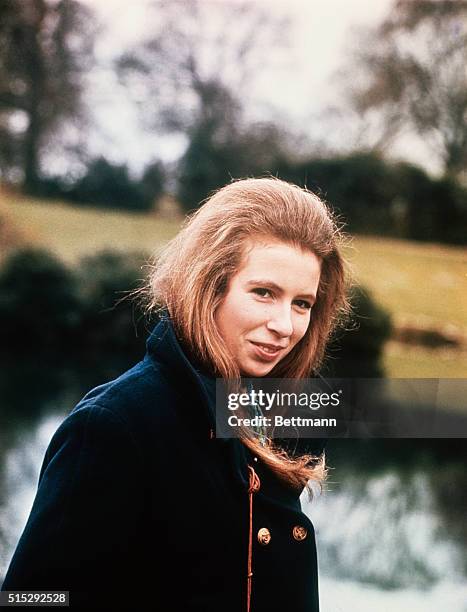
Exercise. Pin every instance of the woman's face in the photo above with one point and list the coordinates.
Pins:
(266, 308)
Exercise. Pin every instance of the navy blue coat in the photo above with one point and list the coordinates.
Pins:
(138, 507)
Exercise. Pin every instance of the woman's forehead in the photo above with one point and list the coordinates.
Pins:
(277, 262)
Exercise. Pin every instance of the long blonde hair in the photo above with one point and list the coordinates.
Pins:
(192, 274)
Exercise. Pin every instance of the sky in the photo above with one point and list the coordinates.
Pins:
(320, 38)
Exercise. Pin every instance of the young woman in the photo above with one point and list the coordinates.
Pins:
(139, 505)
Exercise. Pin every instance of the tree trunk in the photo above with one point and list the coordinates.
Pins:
(31, 156)
(36, 95)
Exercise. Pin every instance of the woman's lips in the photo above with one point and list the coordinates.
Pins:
(266, 352)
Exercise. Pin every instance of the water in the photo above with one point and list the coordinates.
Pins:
(391, 527)
(21, 470)
(382, 546)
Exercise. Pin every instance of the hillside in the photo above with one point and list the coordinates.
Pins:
(74, 231)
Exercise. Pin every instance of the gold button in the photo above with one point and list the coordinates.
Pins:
(299, 533)
(264, 536)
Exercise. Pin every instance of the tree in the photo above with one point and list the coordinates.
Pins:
(195, 55)
(221, 147)
(109, 185)
(152, 184)
(411, 70)
(194, 77)
(45, 49)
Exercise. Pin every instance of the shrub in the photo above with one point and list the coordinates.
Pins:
(357, 352)
(39, 303)
(110, 318)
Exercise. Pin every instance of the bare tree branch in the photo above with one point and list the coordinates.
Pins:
(413, 66)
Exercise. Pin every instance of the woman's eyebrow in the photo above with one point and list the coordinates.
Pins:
(265, 283)
(262, 282)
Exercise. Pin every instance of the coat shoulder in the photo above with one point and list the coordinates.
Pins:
(146, 389)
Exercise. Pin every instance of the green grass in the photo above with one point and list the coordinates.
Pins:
(423, 283)
(426, 282)
(72, 232)
(401, 361)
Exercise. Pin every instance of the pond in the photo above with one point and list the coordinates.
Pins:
(384, 542)
(390, 526)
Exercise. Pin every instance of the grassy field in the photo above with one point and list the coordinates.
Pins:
(402, 361)
(413, 279)
(420, 283)
(72, 232)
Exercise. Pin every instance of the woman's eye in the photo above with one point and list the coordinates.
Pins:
(303, 304)
(262, 292)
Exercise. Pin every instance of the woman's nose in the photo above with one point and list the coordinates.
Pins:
(281, 322)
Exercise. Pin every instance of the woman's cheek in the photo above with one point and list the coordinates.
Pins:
(302, 327)
(252, 309)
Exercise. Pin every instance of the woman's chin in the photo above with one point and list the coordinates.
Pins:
(256, 370)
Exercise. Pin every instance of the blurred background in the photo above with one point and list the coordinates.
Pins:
(117, 119)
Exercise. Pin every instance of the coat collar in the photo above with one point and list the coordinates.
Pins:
(164, 347)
